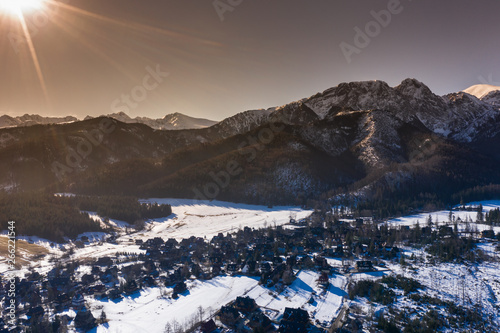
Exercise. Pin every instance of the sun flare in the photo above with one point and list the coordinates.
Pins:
(19, 7)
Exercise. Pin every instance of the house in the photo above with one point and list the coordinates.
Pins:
(296, 315)
(265, 267)
(259, 322)
(59, 283)
(78, 301)
(488, 234)
(114, 294)
(323, 280)
(53, 273)
(426, 230)
(364, 265)
(35, 276)
(98, 290)
(208, 327)
(153, 252)
(106, 278)
(171, 243)
(62, 300)
(104, 261)
(231, 268)
(294, 321)
(216, 269)
(111, 239)
(216, 258)
(291, 261)
(229, 316)
(445, 231)
(154, 242)
(277, 260)
(84, 320)
(166, 264)
(299, 233)
(390, 252)
(298, 250)
(245, 304)
(320, 262)
(87, 279)
(174, 278)
(24, 287)
(249, 268)
(96, 270)
(179, 288)
(35, 312)
(130, 287)
(148, 280)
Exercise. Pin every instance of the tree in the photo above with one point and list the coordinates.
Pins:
(103, 319)
(201, 313)
(480, 214)
(139, 225)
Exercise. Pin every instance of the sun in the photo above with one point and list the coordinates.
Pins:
(20, 7)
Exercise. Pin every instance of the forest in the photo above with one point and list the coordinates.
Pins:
(123, 208)
(57, 218)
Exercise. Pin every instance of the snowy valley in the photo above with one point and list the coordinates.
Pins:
(200, 263)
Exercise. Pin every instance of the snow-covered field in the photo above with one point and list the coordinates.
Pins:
(324, 308)
(149, 311)
(189, 218)
(442, 216)
(194, 218)
(208, 218)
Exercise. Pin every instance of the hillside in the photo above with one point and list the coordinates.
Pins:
(361, 138)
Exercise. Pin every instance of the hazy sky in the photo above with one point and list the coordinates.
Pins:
(96, 56)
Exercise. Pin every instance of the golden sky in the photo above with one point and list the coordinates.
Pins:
(213, 59)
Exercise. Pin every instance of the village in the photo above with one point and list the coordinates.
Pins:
(328, 245)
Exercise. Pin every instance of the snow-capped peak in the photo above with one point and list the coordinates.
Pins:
(174, 121)
(481, 90)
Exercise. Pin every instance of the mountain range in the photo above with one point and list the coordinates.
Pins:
(174, 121)
(363, 139)
(29, 120)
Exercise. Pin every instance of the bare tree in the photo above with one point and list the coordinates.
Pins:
(201, 313)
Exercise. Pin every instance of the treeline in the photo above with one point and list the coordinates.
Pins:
(43, 215)
(493, 216)
(395, 205)
(477, 193)
(56, 218)
(454, 248)
(123, 208)
(381, 291)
